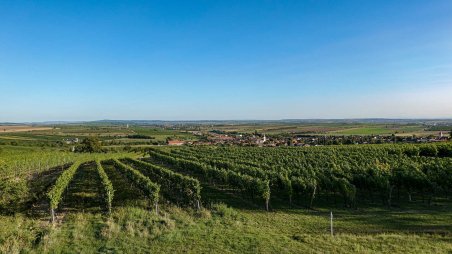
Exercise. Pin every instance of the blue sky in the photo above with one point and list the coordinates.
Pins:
(181, 60)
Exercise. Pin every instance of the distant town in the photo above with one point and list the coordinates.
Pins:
(261, 139)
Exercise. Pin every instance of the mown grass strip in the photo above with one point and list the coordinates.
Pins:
(150, 189)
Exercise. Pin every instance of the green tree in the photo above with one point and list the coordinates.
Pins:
(90, 145)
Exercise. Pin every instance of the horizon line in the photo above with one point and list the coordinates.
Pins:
(228, 120)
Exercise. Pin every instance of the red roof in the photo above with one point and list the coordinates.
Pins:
(175, 142)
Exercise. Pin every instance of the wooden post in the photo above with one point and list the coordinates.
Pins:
(312, 196)
(109, 208)
(391, 188)
(198, 205)
(331, 223)
(52, 212)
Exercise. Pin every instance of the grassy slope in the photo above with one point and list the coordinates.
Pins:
(223, 230)
(240, 230)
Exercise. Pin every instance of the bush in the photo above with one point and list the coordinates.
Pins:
(224, 211)
(139, 136)
(90, 145)
(204, 214)
(13, 194)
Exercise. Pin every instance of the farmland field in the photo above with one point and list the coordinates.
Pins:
(111, 135)
(384, 198)
(335, 129)
(142, 135)
(382, 130)
(21, 128)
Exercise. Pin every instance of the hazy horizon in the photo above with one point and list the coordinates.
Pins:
(306, 120)
(198, 60)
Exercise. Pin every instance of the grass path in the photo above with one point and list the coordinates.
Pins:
(125, 192)
(40, 184)
(84, 193)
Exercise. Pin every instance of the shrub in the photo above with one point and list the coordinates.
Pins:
(224, 211)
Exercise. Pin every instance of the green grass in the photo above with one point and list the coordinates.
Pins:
(222, 230)
(85, 190)
(161, 134)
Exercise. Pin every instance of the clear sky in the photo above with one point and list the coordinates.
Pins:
(181, 60)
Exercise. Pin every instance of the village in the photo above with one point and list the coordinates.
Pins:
(287, 139)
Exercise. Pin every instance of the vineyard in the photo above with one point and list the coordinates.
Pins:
(368, 174)
(164, 186)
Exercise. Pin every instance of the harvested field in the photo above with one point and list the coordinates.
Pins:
(22, 128)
